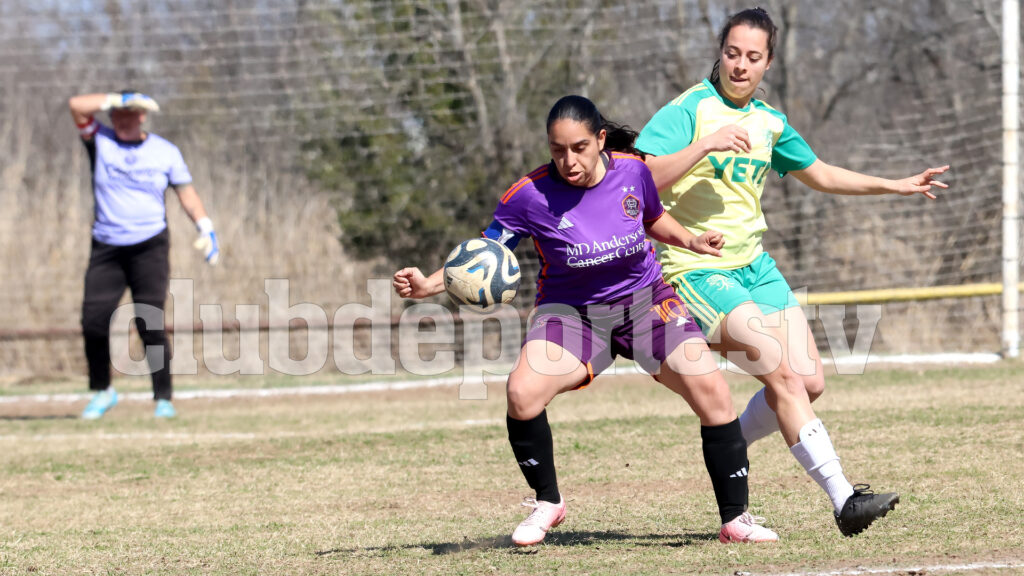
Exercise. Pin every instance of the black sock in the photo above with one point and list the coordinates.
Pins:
(532, 446)
(725, 455)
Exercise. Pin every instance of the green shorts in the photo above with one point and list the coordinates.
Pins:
(710, 294)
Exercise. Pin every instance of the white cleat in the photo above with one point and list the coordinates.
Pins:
(545, 516)
(746, 528)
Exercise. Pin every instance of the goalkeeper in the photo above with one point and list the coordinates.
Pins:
(131, 170)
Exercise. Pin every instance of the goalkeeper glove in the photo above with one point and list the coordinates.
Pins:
(130, 100)
(207, 241)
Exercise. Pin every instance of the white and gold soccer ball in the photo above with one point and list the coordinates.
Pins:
(481, 273)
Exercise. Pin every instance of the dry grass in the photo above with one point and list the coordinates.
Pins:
(420, 482)
(271, 222)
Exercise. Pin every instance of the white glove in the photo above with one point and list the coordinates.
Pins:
(130, 100)
(207, 241)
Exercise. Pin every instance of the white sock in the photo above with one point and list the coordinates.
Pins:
(758, 420)
(818, 457)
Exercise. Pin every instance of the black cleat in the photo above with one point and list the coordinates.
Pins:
(863, 508)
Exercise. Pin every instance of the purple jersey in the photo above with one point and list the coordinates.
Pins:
(591, 242)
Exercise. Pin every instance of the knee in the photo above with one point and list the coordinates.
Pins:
(153, 337)
(519, 399)
(523, 402)
(784, 382)
(712, 390)
(815, 386)
(95, 325)
(151, 330)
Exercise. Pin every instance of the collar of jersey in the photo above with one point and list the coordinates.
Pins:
(131, 143)
(725, 100)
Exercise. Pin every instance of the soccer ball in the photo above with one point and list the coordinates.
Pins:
(481, 273)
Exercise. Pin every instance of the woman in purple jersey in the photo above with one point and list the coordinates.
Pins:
(600, 294)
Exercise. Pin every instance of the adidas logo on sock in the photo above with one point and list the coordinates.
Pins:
(564, 223)
(529, 463)
(739, 473)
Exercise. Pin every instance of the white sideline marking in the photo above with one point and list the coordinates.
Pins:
(482, 422)
(330, 389)
(221, 436)
(258, 393)
(827, 360)
(964, 358)
(145, 436)
(901, 570)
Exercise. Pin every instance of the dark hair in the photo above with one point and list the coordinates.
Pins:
(757, 18)
(619, 138)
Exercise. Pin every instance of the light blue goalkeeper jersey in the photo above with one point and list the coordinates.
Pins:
(129, 182)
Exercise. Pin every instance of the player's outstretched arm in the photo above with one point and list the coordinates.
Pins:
(411, 283)
(835, 180)
(668, 230)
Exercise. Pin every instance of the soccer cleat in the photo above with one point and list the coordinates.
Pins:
(746, 528)
(544, 517)
(863, 508)
(164, 409)
(101, 402)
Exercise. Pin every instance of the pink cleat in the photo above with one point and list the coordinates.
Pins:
(746, 528)
(544, 517)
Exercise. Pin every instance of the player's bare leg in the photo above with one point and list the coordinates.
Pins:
(758, 419)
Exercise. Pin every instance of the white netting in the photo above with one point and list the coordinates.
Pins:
(262, 96)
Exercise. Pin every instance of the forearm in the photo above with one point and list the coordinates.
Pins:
(85, 106)
(835, 180)
(668, 230)
(434, 283)
(191, 203)
(669, 169)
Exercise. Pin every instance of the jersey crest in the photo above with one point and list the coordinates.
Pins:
(631, 206)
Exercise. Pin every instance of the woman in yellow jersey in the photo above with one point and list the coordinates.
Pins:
(712, 149)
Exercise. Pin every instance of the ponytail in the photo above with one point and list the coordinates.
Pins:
(714, 77)
(620, 138)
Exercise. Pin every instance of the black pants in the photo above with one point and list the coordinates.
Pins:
(143, 268)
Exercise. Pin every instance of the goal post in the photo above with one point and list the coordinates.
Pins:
(1011, 176)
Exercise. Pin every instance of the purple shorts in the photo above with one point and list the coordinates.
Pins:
(645, 326)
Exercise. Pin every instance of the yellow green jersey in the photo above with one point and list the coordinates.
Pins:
(723, 191)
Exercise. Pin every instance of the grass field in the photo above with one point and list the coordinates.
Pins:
(419, 482)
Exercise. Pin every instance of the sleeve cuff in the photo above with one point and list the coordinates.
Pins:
(88, 129)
